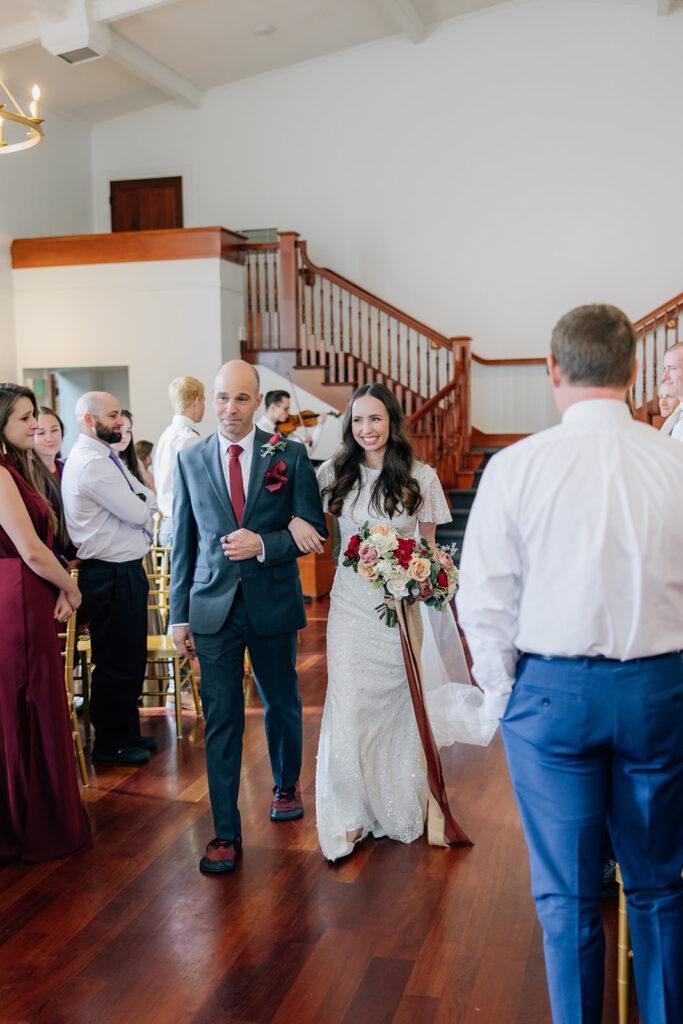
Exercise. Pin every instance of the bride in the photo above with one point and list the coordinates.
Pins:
(370, 774)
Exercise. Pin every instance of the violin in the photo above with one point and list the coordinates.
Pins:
(306, 418)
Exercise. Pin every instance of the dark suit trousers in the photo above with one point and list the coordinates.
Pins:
(221, 657)
(115, 604)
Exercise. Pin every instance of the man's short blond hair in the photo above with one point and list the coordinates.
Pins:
(182, 392)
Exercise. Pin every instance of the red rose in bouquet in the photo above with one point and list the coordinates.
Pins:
(352, 550)
(404, 551)
(442, 579)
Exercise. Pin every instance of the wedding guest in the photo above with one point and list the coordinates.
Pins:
(108, 514)
(371, 776)
(143, 450)
(186, 395)
(47, 444)
(41, 814)
(572, 606)
(669, 406)
(672, 377)
(125, 448)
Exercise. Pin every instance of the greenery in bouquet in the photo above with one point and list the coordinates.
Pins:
(404, 568)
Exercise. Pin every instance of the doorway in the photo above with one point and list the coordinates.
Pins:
(146, 204)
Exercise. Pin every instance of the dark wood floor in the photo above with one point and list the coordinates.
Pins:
(133, 932)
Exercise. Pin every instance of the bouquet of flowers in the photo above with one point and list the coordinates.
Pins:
(403, 568)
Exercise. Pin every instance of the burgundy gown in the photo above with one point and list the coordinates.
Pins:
(41, 813)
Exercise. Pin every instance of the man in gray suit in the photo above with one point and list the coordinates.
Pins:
(242, 487)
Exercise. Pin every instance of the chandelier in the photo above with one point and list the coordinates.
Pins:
(34, 135)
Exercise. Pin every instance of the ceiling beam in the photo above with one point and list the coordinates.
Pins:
(664, 7)
(27, 33)
(55, 10)
(141, 63)
(114, 10)
(405, 16)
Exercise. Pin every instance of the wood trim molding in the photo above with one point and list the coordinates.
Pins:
(481, 440)
(536, 361)
(129, 247)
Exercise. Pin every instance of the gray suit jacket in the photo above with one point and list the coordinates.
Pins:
(203, 580)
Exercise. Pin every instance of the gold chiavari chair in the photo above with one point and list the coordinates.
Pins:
(68, 654)
(624, 957)
(169, 665)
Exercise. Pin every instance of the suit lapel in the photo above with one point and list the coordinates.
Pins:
(211, 456)
(259, 465)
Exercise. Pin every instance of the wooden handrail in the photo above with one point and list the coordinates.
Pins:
(532, 361)
(666, 307)
(432, 402)
(364, 295)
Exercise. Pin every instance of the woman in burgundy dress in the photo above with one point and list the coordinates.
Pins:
(41, 814)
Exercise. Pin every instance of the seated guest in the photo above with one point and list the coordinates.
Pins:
(669, 407)
(47, 443)
(187, 400)
(41, 814)
(109, 514)
(277, 409)
(143, 450)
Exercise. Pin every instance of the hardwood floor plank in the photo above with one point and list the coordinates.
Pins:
(380, 992)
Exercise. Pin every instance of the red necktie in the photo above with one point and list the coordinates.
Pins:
(236, 482)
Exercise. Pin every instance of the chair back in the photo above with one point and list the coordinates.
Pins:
(69, 649)
(158, 569)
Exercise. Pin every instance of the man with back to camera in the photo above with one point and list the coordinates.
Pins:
(109, 518)
(186, 395)
(239, 488)
(572, 604)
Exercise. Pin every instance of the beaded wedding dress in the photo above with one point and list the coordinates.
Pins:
(369, 774)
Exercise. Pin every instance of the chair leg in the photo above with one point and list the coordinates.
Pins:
(178, 699)
(85, 677)
(195, 689)
(623, 956)
(78, 747)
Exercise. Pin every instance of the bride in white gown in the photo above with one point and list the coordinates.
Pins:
(370, 776)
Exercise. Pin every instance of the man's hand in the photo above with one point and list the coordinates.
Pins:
(183, 641)
(241, 545)
(306, 538)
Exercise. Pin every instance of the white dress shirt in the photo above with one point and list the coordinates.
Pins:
(674, 424)
(298, 434)
(573, 546)
(180, 434)
(247, 454)
(104, 516)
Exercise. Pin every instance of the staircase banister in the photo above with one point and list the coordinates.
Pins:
(666, 307)
(432, 402)
(384, 307)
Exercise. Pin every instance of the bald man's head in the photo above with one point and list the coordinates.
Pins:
(235, 396)
(99, 415)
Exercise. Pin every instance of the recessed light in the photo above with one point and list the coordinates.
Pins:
(263, 30)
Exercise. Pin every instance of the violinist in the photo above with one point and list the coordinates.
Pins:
(277, 412)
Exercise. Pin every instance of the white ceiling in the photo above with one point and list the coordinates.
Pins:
(161, 50)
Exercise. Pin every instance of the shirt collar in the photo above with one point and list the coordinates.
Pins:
(180, 420)
(94, 444)
(598, 412)
(246, 443)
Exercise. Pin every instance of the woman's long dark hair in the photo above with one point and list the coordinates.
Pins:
(128, 456)
(28, 463)
(395, 487)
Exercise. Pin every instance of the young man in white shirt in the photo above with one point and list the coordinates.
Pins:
(277, 406)
(186, 395)
(572, 604)
(672, 378)
(109, 518)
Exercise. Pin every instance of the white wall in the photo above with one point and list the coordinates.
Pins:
(8, 359)
(47, 190)
(151, 321)
(515, 164)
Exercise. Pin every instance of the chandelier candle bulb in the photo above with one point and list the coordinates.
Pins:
(34, 106)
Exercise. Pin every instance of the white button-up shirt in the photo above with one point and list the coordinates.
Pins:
(247, 446)
(676, 428)
(104, 516)
(573, 546)
(179, 435)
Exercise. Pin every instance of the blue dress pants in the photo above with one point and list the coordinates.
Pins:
(221, 658)
(589, 741)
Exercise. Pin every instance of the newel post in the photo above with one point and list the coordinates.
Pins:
(289, 290)
(461, 350)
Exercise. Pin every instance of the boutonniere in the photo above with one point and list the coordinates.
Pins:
(272, 445)
(274, 477)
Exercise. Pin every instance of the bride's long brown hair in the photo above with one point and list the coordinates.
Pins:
(395, 487)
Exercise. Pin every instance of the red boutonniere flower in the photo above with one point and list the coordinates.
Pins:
(274, 477)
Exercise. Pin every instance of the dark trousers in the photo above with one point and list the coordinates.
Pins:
(587, 742)
(221, 657)
(115, 604)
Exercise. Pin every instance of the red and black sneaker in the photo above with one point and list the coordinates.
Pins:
(221, 855)
(287, 804)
